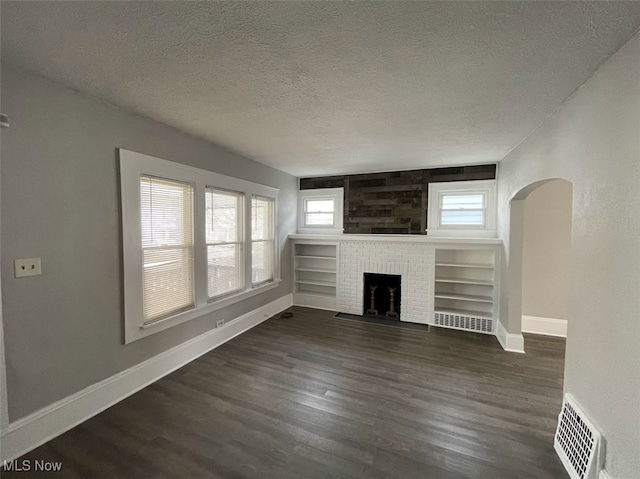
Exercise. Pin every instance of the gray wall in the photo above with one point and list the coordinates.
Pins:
(546, 271)
(592, 140)
(60, 201)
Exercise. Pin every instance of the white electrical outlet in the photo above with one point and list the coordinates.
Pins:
(220, 323)
(27, 267)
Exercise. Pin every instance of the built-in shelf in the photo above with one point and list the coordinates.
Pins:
(466, 265)
(465, 297)
(464, 281)
(315, 257)
(317, 270)
(317, 282)
(315, 273)
(310, 295)
(465, 287)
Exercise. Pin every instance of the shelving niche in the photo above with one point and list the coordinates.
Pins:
(465, 289)
(315, 273)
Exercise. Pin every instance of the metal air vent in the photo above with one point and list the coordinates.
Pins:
(578, 443)
(469, 323)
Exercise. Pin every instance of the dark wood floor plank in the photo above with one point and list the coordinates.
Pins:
(315, 396)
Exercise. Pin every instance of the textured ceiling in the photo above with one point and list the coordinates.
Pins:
(316, 88)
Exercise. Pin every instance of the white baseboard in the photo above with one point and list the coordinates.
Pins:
(41, 426)
(604, 474)
(514, 343)
(546, 326)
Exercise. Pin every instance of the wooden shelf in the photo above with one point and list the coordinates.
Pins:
(317, 270)
(466, 265)
(317, 282)
(483, 282)
(465, 297)
(315, 257)
(316, 293)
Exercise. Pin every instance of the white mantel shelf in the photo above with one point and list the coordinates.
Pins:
(398, 238)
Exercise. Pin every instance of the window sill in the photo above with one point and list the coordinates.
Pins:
(320, 231)
(201, 310)
(461, 233)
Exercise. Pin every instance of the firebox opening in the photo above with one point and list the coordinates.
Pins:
(381, 295)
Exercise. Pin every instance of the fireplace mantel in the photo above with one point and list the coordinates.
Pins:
(398, 239)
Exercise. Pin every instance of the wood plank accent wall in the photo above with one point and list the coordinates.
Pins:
(392, 202)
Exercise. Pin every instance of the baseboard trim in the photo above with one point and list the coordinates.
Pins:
(41, 426)
(514, 343)
(545, 326)
(604, 474)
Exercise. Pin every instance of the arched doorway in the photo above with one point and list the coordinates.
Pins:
(539, 242)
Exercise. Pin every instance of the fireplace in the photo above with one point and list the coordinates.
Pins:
(381, 295)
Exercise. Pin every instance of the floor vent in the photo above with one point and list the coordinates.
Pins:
(578, 443)
(458, 321)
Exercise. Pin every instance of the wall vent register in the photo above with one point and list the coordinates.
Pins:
(578, 443)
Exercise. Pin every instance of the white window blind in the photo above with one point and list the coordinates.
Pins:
(319, 212)
(463, 209)
(225, 264)
(166, 216)
(262, 239)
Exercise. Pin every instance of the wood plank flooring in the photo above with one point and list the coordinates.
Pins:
(317, 397)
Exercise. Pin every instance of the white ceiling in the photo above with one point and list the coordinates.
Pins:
(317, 88)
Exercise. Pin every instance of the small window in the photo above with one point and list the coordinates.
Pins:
(320, 211)
(166, 220)
(225, 259)
(262, 240)
(462, 208)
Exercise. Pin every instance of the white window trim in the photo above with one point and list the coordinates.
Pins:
(270, 238)
(132, 165)
(335, 194)
(438, 190)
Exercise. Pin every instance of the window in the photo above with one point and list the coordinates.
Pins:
(320, 211)
(185, 247)
(225, 260)
(262, 239)
(462, 208)
(166, 220)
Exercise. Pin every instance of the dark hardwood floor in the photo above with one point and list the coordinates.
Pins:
(319, 397)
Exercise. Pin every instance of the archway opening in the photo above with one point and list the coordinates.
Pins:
(539, 258)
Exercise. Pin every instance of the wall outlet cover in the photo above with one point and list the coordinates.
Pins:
(27, 267)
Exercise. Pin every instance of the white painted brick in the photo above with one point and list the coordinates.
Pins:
(413, 262)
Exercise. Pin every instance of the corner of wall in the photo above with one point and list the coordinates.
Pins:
(511, 342)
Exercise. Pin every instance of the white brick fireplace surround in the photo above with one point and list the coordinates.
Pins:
(414, 262)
